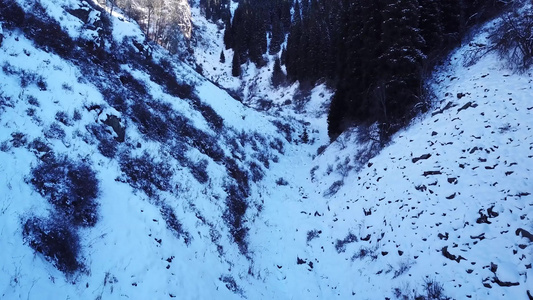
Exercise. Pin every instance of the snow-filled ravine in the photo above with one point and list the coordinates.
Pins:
(124, 174)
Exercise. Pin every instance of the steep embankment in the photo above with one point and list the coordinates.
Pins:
(125, 173)
(447, 204)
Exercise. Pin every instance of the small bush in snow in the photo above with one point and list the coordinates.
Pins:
(281, 181)
(108, 148)
(72, 187)
(214, 120)
(107, 145)
(28, 78)
(199, 171)
(340, 245)
(403, 267)
(55, 131)
(77, 115)
(150, 123)
(9, 69)
(277, 144)
(33, 101)
(174, 224)
(39, 146)
(284, 129)
(231, 284)
(165, 77)
(56, 240)
(18, 139)
(512, 38)
(255, 171)
(234, 216)
(365, 252)
(434, 290)
(146, 174)
(63, 118)
(334, 188)
(5, 146)
(313, 234)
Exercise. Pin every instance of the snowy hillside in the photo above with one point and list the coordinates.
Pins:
(448, 202)
(122, 168)
(126, 174)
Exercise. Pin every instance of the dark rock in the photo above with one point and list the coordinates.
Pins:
(114, 122)
(524, 233)
(429, 173)
(467, 105)
(451, 196)
(504, 283)
(492, 213)
(480, 237)
(425, 156)
(450, 256)
(367, 238)
(483, 218)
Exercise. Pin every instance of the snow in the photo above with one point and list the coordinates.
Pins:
(342, 227)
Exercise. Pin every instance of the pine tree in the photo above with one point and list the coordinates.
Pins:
(222, 57)
(278, 77)
(228, 35)
(402, 59)
(278, 36)
(236, 65)
(336, 115)
(431, 26)
(453, 20)
(293, 56)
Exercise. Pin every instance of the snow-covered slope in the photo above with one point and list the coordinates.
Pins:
(107, 140)
(170, 188)
(448, 201)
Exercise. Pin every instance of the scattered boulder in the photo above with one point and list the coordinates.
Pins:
(524, 233)
(467, 105)
(425, 156)
(114, 122)
(450, 256)
(430, 173)
(504, 283)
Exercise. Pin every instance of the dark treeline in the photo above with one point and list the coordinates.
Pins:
(375, 52)
(387, 49)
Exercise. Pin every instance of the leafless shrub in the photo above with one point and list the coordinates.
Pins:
(513, 39)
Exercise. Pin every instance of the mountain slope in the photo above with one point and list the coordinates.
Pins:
(175, 160)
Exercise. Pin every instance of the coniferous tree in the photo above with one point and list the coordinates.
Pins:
(401, 60)
(222, 57)
(228, 35)
(278, 36)
(278, 77)
(293, 55)
(452, 22)
(236, 65)
(431, 26)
